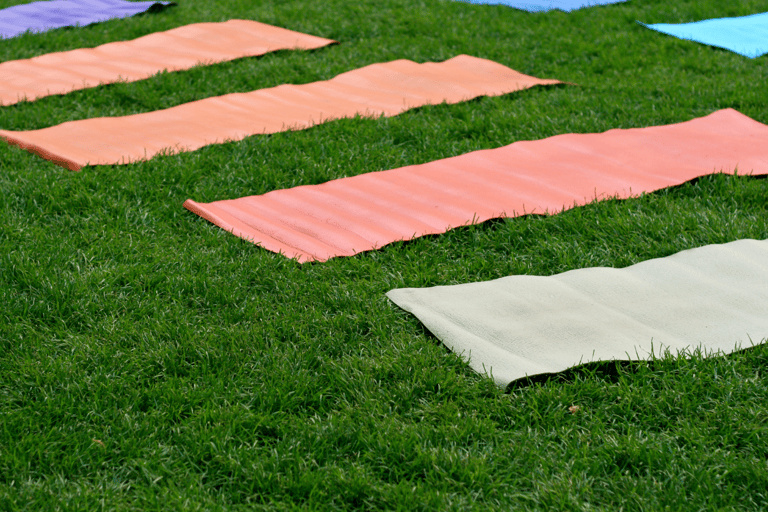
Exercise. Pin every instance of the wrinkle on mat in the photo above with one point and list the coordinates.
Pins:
(745, 35)
(713, 298)
(545, 5)
(129, 61)
(48, 15)
(379, 89)
(350, 215)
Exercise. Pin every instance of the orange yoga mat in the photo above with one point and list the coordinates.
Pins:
(129, 61)
(379, 89)
(350, 215)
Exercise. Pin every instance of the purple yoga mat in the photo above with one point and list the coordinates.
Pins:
(43, 16)
(546, 5)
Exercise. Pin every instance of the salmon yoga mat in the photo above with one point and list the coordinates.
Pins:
(713, 298)
(545, 5)
(745, 35)
(128, 61)
(44, 16)
(350, 215)
(379, 89)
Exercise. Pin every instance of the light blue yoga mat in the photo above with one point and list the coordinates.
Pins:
(745, 35)
(44, 16)
(545, 5)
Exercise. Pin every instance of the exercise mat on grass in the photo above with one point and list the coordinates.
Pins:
(379, 89)
(43, 16)
(128, 61)
(714, 298)
(545, 5)
(351, 215)
(745, 35)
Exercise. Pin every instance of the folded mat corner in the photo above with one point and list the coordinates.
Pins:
(713, 298)
(379, 89)
(350, 215)
(128, 61)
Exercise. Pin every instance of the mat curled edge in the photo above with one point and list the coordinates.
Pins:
(346, 216)
(379, 89)
(48, 15)
(713, 298)
(129, 61)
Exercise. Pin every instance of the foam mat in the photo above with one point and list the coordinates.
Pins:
(44, 16)
(346, 216)
(379, 89)
(713, 298)
(545, 5)
(745, 35)
(128, 61)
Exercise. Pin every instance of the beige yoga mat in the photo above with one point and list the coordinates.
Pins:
(129, 61)
(379, 89)
(346, 216)
(714, 298)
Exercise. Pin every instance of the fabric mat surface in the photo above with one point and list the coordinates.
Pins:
(745, 35)
(43, 16)
(128, 61)
(545, 5)
(350, 215)
(714, 298)
(379, 89)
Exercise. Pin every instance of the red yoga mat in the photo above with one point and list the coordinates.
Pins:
(379, 89)
(129, 61)
(350, 215)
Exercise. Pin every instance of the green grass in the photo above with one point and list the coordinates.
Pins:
(149, 360)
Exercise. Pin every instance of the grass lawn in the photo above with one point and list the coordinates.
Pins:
(149, 360)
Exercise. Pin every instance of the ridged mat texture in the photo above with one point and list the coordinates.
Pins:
(350, 215)
(44, 16)
(713, 299)
(545, 5)
(128, 61)
(379, 89)
(745, 35)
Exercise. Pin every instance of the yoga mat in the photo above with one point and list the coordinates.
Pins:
(545, 5)
(745, 35)
(128, 61)
(714, 298)
(379, 89)
(44, 16)
(350, 215)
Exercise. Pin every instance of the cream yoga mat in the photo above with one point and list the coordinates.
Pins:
(129, 61)
(350, 215)
(714, 298)
(379, 89)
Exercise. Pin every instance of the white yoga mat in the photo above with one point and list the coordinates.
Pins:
(714, 298)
